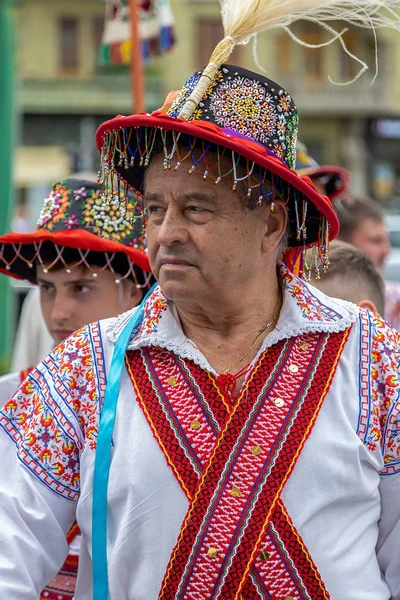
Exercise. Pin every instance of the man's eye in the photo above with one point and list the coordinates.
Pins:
(155, 210)
(81, 289)
(45, 287)
(196, 209)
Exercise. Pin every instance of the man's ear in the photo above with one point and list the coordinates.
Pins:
(368, 304)
(277, 225)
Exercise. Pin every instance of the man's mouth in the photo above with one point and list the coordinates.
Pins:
(175, 262)
(61, 334)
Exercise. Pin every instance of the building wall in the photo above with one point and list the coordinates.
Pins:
(44, 87)
(37, 26)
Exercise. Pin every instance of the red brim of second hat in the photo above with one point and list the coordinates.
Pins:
(24, 245)
(213, 134)
(342, 174)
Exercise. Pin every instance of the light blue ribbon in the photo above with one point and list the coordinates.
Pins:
(103, 456)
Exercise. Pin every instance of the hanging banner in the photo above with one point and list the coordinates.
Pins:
(155, 28)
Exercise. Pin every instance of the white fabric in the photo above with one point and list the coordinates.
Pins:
(33, 342)
(8, 386)
(346, 511)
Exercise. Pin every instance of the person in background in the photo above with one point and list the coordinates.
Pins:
(352, 276)
(362, 224)
(21, 218)
(32, 339)
(83, 259)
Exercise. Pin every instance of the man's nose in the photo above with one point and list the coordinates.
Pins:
(173, 229)
(61, 309)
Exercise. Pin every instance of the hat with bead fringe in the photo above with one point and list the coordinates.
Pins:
(77, 226)
(245, 118)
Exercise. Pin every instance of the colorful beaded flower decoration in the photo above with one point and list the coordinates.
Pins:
(86, 207)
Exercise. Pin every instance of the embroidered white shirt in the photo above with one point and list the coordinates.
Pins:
(342, 495)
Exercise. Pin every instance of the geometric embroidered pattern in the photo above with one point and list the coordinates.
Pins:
(62, 587)
(232, 461)
(55, 414)
(283, 551)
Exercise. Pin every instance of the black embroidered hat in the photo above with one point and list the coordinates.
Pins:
(79, 226)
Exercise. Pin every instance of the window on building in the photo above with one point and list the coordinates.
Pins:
(98, 28)
(283, 46)
(313, 58)
(348, 66)
(209, 33)
(68, 36)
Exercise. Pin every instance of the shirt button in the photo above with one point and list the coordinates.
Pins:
(172, 381)
(293, 369)
(195, 425)
(235, 492)
(212, 552)
(279, 402)
(264, 556)
(256, 450)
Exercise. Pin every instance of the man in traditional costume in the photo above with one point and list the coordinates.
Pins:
(237, 436)
(80, 249)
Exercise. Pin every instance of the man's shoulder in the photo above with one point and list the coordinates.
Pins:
(112, 328)
(379, 382)
(379, 331)
(83, 339)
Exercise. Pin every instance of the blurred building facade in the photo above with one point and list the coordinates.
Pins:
(62, 94)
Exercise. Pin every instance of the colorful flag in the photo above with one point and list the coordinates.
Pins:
(155, 29)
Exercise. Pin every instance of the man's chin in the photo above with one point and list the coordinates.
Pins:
(177, 289)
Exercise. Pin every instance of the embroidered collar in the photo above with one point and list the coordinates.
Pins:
(304, 310)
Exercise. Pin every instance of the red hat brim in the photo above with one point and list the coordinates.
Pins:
(213, 134)
(78, 239)
(342, 174)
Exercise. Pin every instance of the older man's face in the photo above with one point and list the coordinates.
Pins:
(201, 240)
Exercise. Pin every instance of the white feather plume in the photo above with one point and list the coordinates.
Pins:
(243, 18)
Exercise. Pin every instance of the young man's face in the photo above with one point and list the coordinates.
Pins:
(372, 238)
(71, 300)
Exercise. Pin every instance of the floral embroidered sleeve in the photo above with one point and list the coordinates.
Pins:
(44, 428)
(379, 428)
(54, 415)
(379, 420)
